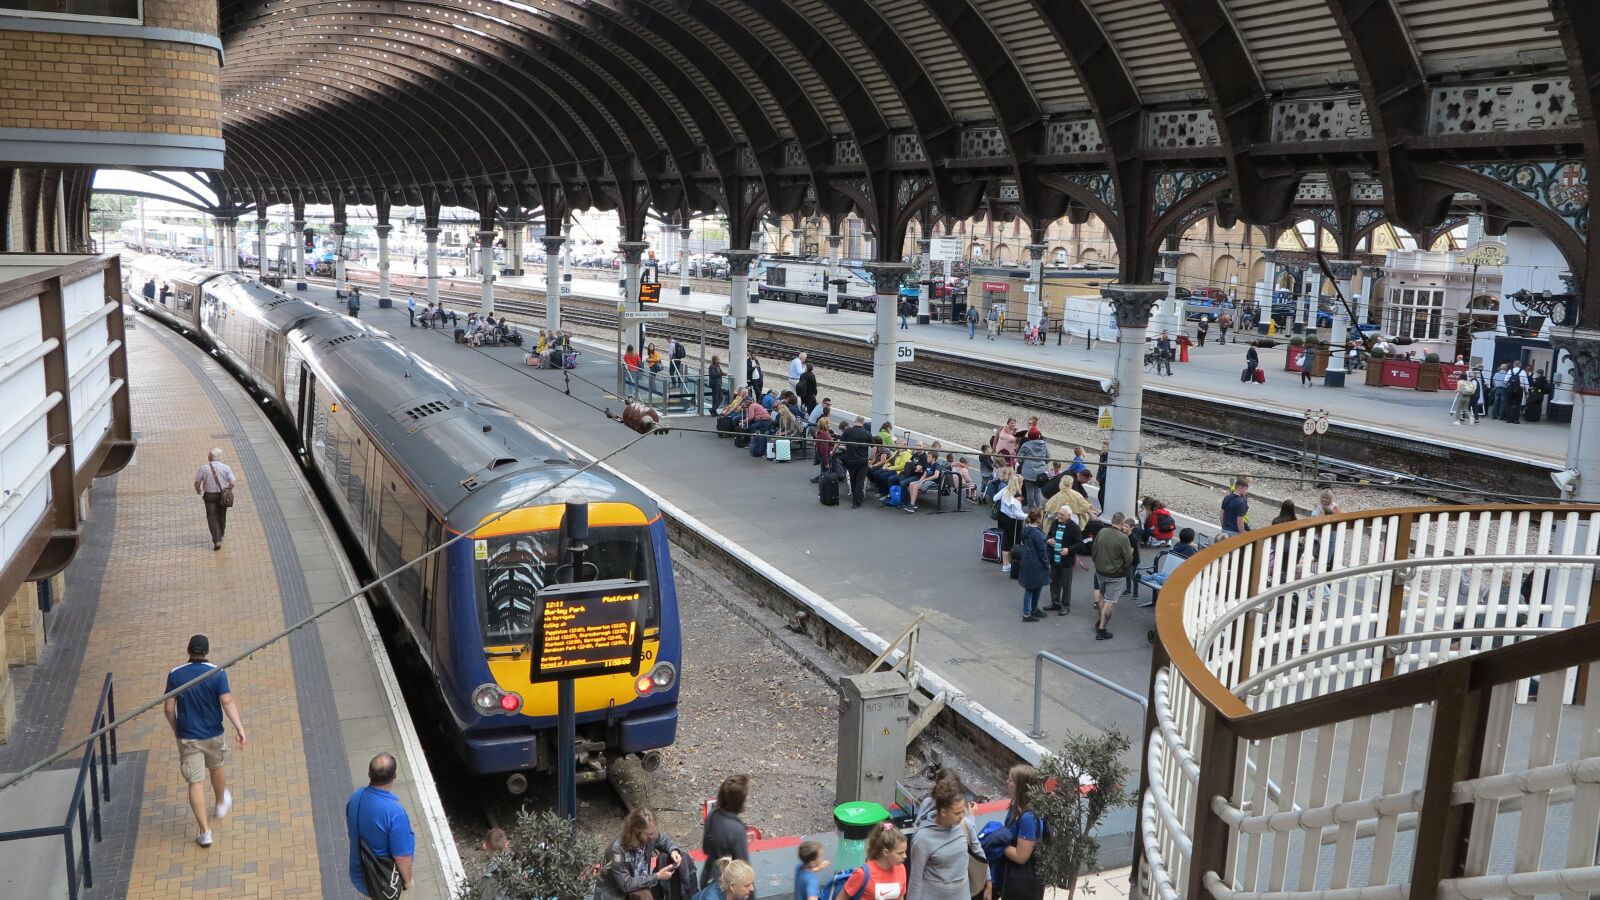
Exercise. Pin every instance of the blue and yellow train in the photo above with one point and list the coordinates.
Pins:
(412, 458)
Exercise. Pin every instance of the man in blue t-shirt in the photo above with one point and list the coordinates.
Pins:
(196, 719)
(1236, 509)
(374, 814)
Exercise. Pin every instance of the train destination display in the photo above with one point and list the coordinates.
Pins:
(587, 629)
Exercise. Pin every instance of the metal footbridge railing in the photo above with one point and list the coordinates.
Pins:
(1392, 704)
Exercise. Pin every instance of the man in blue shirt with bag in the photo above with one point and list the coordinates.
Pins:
(196, 719)
(375, 817)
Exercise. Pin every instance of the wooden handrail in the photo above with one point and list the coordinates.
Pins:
(1576, 645)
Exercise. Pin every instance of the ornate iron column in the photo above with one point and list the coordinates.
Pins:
(1581, 347)
(1132, 305)
(552, 280)
(261, 241)
(886, 279)
(831, 272)
(632, 254)
(739, 308)
(684, 233)
(431, 235)
(1345, 270)
(383, 229)
(924, 281)
(299, 238)
(1035, 288)
(1369, 277)
(486, 271)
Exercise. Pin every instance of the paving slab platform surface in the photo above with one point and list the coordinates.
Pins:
(315, 706)
(879, 565)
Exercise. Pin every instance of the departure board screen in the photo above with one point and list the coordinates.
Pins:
(590, 628)
(650, 292)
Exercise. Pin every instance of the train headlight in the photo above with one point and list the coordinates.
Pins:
(488, 698)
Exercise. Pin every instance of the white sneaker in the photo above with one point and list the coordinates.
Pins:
(226, 804)
(1005, 568)
(203, 839)
(1455, 422)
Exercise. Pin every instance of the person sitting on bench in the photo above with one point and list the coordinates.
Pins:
(757, 420)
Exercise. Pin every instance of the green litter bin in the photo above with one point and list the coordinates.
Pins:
(853, 821)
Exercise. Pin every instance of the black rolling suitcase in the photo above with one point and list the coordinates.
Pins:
(725, 427)
(828, 489)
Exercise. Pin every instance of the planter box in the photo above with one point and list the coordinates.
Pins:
(1374, 372)
(1400, 373)
(1299, 357)
(1428, 376)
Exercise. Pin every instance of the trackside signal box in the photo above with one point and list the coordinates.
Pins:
(873, 712)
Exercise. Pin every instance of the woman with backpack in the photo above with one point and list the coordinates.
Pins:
(1015, 875)
(883, 876)
(936, 868)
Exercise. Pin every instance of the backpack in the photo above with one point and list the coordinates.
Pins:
(835, 886)
(1466, 388)
(896, 495)
(1165, 524)
(972, 314)
(994, 838)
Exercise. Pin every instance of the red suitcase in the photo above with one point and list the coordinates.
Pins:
(991, 545)
(1261, 375)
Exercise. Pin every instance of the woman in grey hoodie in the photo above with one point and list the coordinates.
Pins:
(937, 866)
(1034, 455)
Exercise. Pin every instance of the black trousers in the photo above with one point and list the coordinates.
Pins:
(216, 515)
(1061, 581)
(858, 482)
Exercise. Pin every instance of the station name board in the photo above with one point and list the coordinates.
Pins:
(587, 629)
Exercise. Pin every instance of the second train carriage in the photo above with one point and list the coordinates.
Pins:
(412, 458)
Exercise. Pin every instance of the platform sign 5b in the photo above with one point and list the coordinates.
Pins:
(589, 628)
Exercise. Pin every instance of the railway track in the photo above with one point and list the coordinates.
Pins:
(596, 313)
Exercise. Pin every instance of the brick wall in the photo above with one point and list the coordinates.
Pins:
(95, 83)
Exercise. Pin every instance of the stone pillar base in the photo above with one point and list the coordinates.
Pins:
(923, 320)
(24, 627)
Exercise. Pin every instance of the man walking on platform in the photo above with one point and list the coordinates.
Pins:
(214, 483)
(856, 454)
(378, 824)
(1113, 560)
(196, 719)
(752, 375)
(797, 367)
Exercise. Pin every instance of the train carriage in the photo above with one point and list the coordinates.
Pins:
(412, 459)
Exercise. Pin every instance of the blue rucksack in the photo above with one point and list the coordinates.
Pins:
(896, 494)
(834, 889)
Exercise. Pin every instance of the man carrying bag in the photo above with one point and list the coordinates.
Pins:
(382, 843)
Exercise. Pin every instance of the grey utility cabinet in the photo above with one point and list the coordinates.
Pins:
(874, 709)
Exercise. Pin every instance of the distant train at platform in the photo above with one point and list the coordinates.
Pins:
(411, 458)
(799, 279)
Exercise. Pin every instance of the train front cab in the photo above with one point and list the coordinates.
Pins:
(504, 721)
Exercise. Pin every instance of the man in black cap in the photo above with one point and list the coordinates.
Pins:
(196, 719)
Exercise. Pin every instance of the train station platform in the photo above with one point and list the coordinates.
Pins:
(878, 565)
(316, 706)
(1212, 373)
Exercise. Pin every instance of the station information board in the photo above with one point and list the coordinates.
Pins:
(649, 292)
(590, 628)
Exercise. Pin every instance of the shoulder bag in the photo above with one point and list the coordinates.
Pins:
(227, 492)
(380, 873)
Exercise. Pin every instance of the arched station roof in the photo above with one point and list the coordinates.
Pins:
(1145, 112)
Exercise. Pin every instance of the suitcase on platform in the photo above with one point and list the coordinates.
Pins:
(725, 427)
(1261, 375)
(772, 449)
(991, 545)
(782, 450)
(758, 445)
(828, 489)
(741, 441)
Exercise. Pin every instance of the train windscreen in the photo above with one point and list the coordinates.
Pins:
(513, 568)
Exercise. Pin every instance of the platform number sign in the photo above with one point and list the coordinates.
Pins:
(905, 352)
